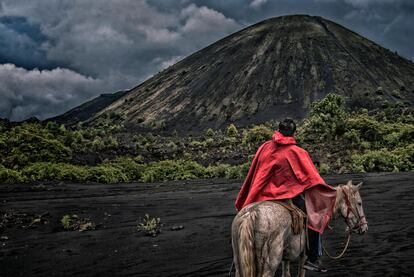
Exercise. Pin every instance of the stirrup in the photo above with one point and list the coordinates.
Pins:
(317, 267)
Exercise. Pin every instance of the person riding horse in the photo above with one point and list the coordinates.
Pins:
(282, 170)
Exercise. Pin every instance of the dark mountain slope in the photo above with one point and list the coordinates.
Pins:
(270, 70)
(88, 109)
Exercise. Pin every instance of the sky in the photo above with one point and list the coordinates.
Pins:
(57, 54)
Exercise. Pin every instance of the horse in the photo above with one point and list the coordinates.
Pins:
(262, 236)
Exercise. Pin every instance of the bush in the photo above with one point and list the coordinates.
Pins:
(150, 225)
(380, 134)
(55, 171)
(132, 168)
(227, 171)
(173, 170)
(106, 174)
(257, 135)
(210, 133)
(324, 168)
(30, 143)
(217, 171)
(171, 147)
(352, 136)
(400, 159)
(66, 222)
(233, 172)
(198, 144)
(326, 120)
(10, 176)
(232, 131)
(74, 222)
(67, 172)
(377, 160)
(366, 126)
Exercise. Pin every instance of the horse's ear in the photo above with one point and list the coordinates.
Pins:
(349, 183)
(357, 187)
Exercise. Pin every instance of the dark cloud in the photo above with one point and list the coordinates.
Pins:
(21, 43)
(121, 43)
(42, 93)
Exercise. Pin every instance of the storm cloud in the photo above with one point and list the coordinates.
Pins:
(42, 93)
(55, 55)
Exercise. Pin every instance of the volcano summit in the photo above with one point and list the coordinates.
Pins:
(270, 70)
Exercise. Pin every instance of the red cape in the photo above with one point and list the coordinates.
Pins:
(283, 170)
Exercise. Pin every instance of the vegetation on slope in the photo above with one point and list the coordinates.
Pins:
(339, 141)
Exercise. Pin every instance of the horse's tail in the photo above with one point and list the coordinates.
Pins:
(243, 245)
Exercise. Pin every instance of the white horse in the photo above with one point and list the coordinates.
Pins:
(262, 236)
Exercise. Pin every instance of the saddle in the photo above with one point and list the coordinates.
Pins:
(298, 216)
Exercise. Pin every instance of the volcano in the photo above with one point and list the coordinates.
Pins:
(268, 71)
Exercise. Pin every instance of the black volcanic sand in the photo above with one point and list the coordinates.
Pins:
(202, 248)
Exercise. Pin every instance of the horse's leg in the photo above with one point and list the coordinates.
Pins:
(285, 268)
(302, 260)
(272, 256)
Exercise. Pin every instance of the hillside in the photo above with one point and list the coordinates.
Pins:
(88, 109)
(273, 69)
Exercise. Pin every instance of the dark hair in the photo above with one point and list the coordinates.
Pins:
(287, 127)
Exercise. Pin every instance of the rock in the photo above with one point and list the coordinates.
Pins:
(86, 226)
(177, 228)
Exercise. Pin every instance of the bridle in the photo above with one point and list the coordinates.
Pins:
(350, 210)
(361, 222)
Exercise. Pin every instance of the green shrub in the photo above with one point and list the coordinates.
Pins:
(171, 147)
(66, 222)
(374, 161)
(234, 172)
(132, 168)
(228, 171)
(67, 172)
(75, 223)
(217, 171)
(352, 136)
(55, 171)
(98, 144)
(10, 176)
(173, 170)
(257, 135)
(244, 169)
(150, 225)
(111, 142)
(384, 160)
(326, 120)
(106, 174)
(210, 133)
(210, 142)
(229, 141)
(232, 131)
(405, 157)
(366, 126)
(28, 143)
(324, 168)
(198, 144)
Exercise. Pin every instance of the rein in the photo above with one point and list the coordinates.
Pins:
(343, 251)
(349, 210)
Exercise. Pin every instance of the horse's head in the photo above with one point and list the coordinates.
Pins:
(351, 208)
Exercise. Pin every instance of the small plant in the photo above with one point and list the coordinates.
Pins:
(66, 222)
(150, 225)
(323, 168)
(232, 131)
(210, 133)
(74, 223)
